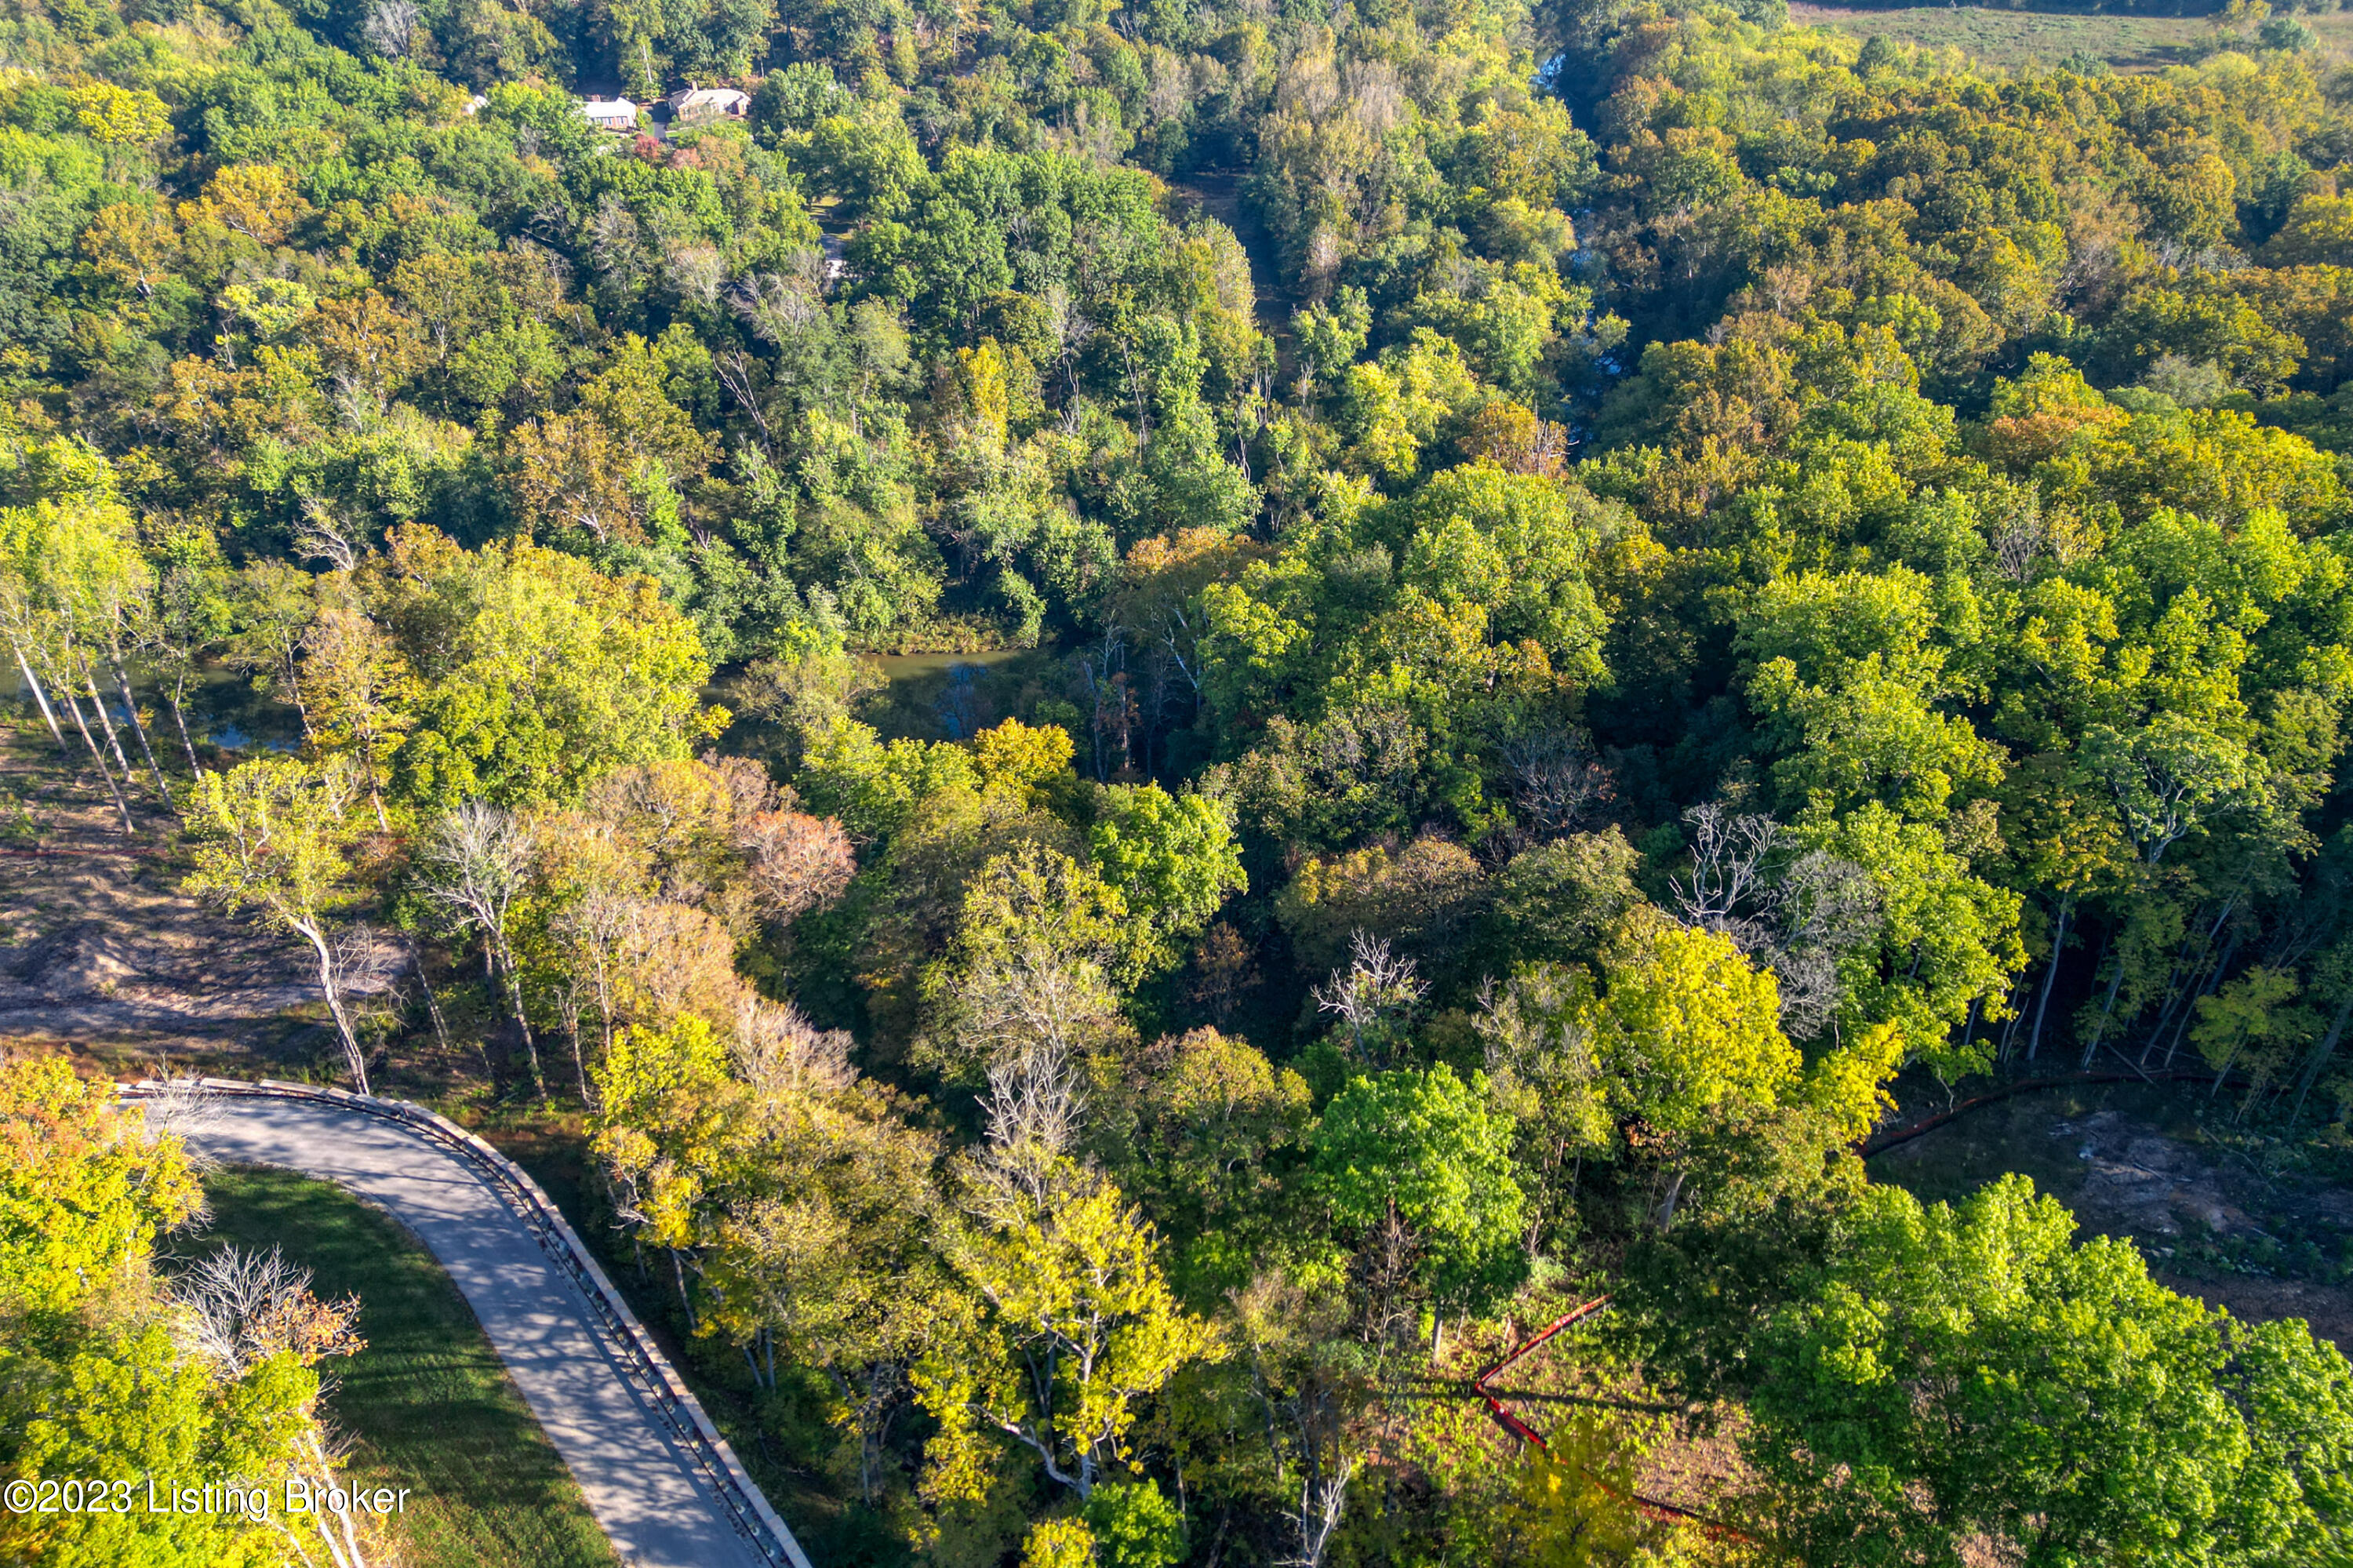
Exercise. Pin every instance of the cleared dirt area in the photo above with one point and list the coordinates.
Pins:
(99, 948)
(1218, 194)
(2237, 1219)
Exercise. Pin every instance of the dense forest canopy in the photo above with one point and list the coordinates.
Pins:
(1593, 590)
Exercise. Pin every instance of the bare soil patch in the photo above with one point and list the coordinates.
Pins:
(99, 948)
(2220, 1215)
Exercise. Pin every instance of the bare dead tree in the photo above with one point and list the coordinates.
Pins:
(1727, 872)
(597, 926)
(1309, 1384)
(1373, 743)
(389, 25)
(41, 698)
(1322, 1498)
(319, 536)
(425, 985)
(778, 309)
(2020, 535)
(1795, 917)
(1826, 907)
(1032, 1112)
(319, 1454)
(780, 1053)
(796, 861)
(1100, 672)
(695, 271)
(569, 996)
(239, 1308)
(356, 962)
(177, 1104)
(1558, 784)
(1033, 1101)
(1377, 987)
(735, 371)
(474, 862)
(106, 724)
(1826, 902)
(246, 1306)
(121, 801)
(1070, 329)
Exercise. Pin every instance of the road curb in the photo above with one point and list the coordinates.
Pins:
(748, 1507)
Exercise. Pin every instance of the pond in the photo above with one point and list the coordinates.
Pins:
(954, 697)
(924, 696)
(222, 707)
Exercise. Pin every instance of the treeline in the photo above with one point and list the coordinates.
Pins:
(1799, 312)
(1742, 565)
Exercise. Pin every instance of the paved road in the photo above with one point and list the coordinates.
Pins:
(640, 1483)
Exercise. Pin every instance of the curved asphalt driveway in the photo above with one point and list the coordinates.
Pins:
(642, 1485)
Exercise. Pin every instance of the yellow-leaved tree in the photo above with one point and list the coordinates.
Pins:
(270, 835)
(672, 1122)
(1081, 1328)
(113, 1375)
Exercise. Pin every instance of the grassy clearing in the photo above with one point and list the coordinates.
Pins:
(427, 1401)
(2011, 38)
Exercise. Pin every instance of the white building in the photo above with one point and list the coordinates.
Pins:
(611, 113)
(695, 105)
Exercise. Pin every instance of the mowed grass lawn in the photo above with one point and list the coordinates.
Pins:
(2010, 38)
(428, 1401)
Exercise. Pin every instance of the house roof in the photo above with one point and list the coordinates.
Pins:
(710, 101)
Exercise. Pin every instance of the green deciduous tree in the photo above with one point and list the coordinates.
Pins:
(1173, 860)
(670, 1122)
(1543, 1073)
(72, 588)
(1685, 1023)
(1422, 1150)
(536, 672)
(1946, 938)
(111, 1375)
(86, 1193)
(1969, 1374)
(1038, 947)
(830, 1254)
(1202, 1129)
(1849, 674)
(360, 694)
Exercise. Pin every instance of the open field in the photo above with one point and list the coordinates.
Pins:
(429, 1404)
(2010, 38)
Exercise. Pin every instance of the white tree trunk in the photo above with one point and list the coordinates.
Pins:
(331, 985)
(121, 804)
(41, 698)
(138, 727)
